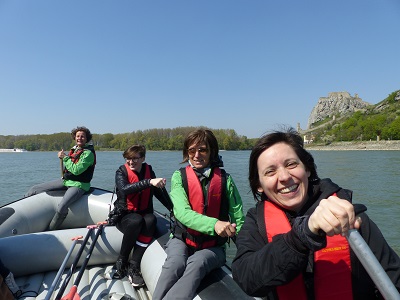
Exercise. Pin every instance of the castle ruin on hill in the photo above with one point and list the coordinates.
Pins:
(337, 103)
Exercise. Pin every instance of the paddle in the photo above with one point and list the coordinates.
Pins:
(74, 264)
(73, 293)
(168, 202)
(61, 270)
(372, 265)
(62, 168)
(369, 260)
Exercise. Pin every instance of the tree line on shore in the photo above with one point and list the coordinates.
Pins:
(153, 139)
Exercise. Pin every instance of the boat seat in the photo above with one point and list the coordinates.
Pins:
(47, 250)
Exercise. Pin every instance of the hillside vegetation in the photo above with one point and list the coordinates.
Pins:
(378, 122)
(153, 139)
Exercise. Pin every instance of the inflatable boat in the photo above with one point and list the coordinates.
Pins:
(81, 254)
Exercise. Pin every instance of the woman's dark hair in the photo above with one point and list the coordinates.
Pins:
(291, 137)
(200, 136)
(132, 150)
(84, 129)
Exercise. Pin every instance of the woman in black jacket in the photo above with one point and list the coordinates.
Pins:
(292, 244)
(136, 183)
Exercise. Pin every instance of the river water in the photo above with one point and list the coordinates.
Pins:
(372, 175)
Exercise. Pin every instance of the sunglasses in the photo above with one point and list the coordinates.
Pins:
(133, 159)
(192, 151)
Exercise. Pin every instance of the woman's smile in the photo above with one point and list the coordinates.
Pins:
(288, 189)
(283, 177)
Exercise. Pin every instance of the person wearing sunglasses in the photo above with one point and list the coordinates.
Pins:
(136, 183)
(208, 211)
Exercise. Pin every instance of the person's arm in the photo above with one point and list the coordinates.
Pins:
(156, 182)
(126, 188)
(235, 204)
(184, 213)
(85, 161)
(259, 266)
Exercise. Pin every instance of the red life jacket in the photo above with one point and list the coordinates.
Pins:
(75, 155)
(210, 206)
(138, 201)
(85, 176)
(332, 266)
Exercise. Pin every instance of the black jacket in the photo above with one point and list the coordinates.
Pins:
(260, 266)
(124, 188)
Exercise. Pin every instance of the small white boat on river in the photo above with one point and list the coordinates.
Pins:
(35, 255)
(14, 150)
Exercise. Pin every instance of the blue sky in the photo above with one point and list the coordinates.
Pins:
(125, 65)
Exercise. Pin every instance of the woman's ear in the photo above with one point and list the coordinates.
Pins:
(260, 190)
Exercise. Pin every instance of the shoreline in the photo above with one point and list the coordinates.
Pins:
(356, 146)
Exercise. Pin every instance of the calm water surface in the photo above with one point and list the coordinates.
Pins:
(372, 175)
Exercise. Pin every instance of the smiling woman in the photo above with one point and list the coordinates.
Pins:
(283, 177)
(200, 145)
(208, 210)
(198, 156)
(77, 173)
(296, 231)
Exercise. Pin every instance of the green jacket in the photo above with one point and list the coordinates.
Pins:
(85, 161)
(202, 223)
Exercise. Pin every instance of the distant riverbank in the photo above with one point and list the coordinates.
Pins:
(364, 145)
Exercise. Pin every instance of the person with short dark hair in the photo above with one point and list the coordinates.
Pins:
(136, 183)
(208, 211)
(78, 171)
(292, 244)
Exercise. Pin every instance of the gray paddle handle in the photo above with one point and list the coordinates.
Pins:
(60, 271)
(372, 265)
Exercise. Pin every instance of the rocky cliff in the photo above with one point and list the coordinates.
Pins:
(337, 103)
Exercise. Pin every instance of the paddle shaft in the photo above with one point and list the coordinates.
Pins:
(74, 264)
(73, 292)
(372, 265)
(61, 270)
(62, 168)
(169, 205)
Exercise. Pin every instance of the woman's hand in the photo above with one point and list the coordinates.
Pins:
(225, 229)
(61, 154)
(333, 216)
(158, 182)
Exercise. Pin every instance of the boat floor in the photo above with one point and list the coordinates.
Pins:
(93, 285)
